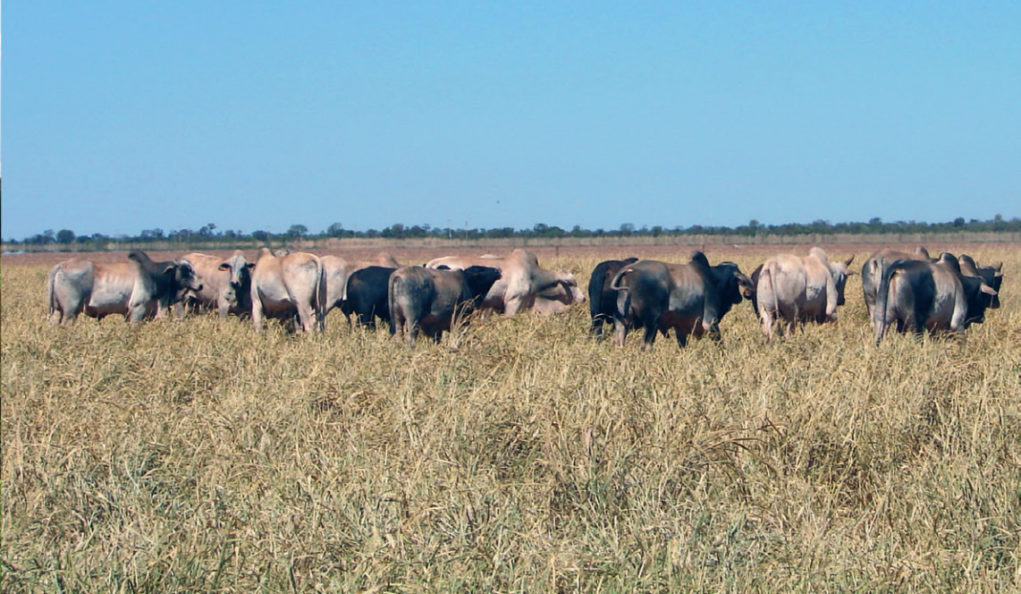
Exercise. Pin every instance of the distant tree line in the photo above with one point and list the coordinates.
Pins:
(209, 234)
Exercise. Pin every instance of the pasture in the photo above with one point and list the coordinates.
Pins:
(519, 455)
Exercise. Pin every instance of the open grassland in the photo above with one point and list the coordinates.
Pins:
(518, 456)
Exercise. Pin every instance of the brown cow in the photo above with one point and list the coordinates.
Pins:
(917, 294)
(428, 300)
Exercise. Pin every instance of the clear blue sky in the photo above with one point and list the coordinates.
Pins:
(123, 116)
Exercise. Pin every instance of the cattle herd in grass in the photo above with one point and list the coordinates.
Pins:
(910, 291)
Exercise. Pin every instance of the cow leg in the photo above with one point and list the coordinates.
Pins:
(682, 337)
(649, 337)
(257, 314)
(162, 307)
(512, 306)
(64, 318)
(397, 321)
(788, 327)
(136, 312)
(222, 307)
(713, 329)
(621, 317)
(596, 331)
(306, 317)
(920, 314)
(619, 331)
(918, 325)
(767, 322)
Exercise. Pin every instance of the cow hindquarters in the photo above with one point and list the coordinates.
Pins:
(403, 315)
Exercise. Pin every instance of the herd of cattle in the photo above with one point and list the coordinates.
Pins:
(911, 291)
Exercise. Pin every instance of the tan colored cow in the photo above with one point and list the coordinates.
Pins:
(289, 286)
(137, 289)
(800, 289)
(226, 282)
(522, 284)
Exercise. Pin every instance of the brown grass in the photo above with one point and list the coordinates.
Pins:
(520, 455)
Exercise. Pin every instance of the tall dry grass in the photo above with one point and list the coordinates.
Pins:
(518, 456)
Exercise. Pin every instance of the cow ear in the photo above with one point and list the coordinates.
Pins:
(848, 261)
(223, 266)
(169, 268)
(249, 265)
(987, 289)
(998, 267)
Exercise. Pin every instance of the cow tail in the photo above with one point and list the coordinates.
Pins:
(595, 291)
(875, 268)
(320, 295)
(50, 297)
(769, 271)
(396, 311)
(615, 283)
(882, 301)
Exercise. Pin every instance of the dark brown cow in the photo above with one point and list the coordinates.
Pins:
(691, 298)
(991, 275)
(872, 270)
(602, 300)
(339, 270)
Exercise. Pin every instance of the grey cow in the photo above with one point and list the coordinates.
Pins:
(917, 295)
(690, 298)
(428, 300)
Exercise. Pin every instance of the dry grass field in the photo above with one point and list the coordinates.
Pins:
(519, 455)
